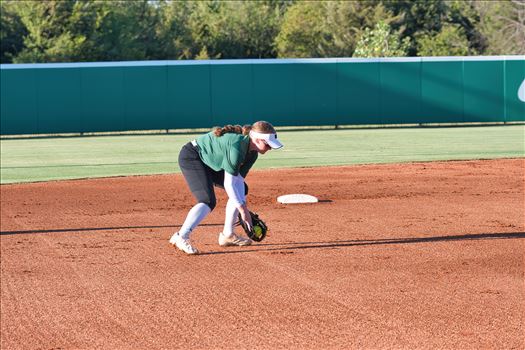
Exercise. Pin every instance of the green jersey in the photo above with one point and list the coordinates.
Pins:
(229, 152)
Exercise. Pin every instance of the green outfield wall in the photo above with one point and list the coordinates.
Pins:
(151, 95)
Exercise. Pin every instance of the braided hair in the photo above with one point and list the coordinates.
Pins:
(233, 129)
(260, 126)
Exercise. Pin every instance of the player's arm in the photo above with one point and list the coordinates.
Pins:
(234, 186)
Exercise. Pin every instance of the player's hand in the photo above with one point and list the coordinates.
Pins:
(245, 216)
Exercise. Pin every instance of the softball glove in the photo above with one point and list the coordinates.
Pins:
(259, 228)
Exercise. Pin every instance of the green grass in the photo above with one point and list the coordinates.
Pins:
(28, 160)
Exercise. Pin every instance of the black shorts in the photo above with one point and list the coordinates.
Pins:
(201, 178)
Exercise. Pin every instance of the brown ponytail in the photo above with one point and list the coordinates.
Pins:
(235, 129)
(261, 126)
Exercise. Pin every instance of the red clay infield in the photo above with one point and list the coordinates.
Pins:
(422, 255)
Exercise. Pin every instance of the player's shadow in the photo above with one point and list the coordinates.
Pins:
(292, 246)
(289, 247)
(94, 229)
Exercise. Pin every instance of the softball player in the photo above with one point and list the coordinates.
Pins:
(222, 158)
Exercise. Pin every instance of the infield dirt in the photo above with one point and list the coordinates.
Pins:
(420, 255)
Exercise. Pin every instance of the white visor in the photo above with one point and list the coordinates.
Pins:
(271, 139)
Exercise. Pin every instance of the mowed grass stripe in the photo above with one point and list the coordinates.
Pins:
(28, 160)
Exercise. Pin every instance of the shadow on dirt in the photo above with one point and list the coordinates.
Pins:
(90, 229)
(285, 247)
(290, 246)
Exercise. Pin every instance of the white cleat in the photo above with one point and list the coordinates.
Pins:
(233, 240)
(183, 244)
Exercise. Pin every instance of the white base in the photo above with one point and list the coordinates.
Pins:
(297, 198)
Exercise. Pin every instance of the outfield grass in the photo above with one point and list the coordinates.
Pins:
(28, 160)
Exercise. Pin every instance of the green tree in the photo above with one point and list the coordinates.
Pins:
(381, 42)
(12, 32)
(73, 30)
(427, 19)
(328, 29)
(48, 37)
(251, 29)
(301, 34)
(502, 23)
(174, 33)
(464, 16)
(126, 31)
(450, 41)
(96, 30)
(235, 29)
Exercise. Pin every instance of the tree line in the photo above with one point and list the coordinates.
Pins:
(94, 30)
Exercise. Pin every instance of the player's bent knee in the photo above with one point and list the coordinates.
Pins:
(212, 203)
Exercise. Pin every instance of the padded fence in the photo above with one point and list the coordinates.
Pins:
(121, 96)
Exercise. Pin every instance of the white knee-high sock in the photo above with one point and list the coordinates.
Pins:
(231, 217)
(195, 216)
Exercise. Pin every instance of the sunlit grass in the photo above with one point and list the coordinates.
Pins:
(26, 160)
